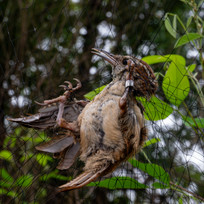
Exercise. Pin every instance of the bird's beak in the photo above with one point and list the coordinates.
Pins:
(105, 55)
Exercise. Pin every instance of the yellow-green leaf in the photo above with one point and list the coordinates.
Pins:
(24, 181)
(93, 93)
(187, 38)
(6, 155)
(152, 141)
(175, 84)
(196, 122)
(153, 170)
(155, 108)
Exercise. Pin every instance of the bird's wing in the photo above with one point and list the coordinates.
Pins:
(46, 117)
(56, 144)
(70, 155)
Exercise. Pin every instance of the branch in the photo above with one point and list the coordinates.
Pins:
(187, 191)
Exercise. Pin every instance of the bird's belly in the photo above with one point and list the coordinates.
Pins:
(101, 128)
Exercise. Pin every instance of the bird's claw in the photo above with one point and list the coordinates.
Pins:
(40, 104)
(69, 86)
(62, 99)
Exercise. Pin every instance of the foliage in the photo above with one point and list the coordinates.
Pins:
(176, 88)
(20, 182)
(51, 40)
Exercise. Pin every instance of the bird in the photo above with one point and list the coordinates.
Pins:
(110, 128)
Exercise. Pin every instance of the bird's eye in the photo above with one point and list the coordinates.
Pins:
(125, 61)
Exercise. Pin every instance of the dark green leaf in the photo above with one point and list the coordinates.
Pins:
(199, 122)
(7, 193)
(5, 184)
(5, 175)
(3, 191)
(119, 183)
(93, 93)
(152, 141)
(175, 84)
(24, 181)
(187, 38)
(155, 109)
(153, 170)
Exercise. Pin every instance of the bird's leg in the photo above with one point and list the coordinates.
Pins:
(62, 100)
(129, 83)
(82, 103)
(73, 126)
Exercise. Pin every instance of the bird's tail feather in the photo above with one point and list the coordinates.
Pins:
(83, 179)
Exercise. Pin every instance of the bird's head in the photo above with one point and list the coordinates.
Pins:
(145, 83)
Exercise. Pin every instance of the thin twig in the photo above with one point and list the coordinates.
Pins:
(186, 190)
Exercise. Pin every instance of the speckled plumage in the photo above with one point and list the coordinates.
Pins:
(110, 128)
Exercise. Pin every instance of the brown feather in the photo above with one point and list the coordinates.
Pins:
(56, 144)
(69, 157)
(46, 116)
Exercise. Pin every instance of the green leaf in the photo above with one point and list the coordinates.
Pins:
(155, 109)
(156, 59)
(10, 140)
(42, 159)
(3, 191)
(187, 38)
(18, 131)
(159, 185)
(26, 157)
(153, 170)
(5, 184)
(169, 27)
(5, 175)
(42, 137)
(175, 23)
(180, 201)
(191, 67)
(199, 122)
(119, 183)
(152, 141)
(175, 84)
(6, 155)
(7, 193)
(93, 93)
(24, 181)
(189, 21)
